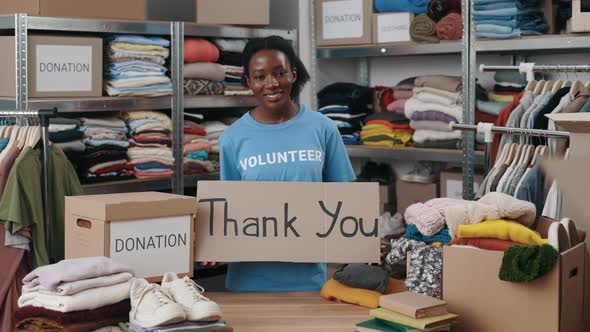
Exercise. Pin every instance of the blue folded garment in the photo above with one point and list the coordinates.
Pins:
(513, 34)
(513, 11)
(97, 142)
(490, 107)
(226, 83)
(412, 6)
(516, 2)
(153, 170)
(123, 64)
(506, 23)
(140, 40)
(125, 77)
(151, 166)
(167, 86)
(118, 129)
(493, 28)
(495, 5)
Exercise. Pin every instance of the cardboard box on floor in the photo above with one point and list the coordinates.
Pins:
(451, 183)
(232, 12)
(58, 66)
(408, 193)
(106, 9)
(151, 232)
(287, 221)
(484, 303)
(343, 22)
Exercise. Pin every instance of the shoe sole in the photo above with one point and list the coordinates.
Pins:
(571, 230)
(204, 315)
(159, 322)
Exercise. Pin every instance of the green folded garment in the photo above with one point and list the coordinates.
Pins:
(527, 263)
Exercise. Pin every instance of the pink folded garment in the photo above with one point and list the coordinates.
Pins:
(148, 175)
(429, 217)
(398, 106)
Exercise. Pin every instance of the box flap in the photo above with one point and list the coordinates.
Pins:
(573, 122)
(128, 206)
(30, 7)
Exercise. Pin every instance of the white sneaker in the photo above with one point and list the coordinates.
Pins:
(189, 295)
(558, 238)
(151, 305)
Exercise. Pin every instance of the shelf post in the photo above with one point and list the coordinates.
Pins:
(313, 73)
(469, 71)
(21, 48)
(177, 111)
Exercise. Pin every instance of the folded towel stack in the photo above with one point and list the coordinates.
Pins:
(231, 60)
(202, 75)
(150, 153)
(214, 130)
(82, 294)
(509, 19)
(437, 100)
(136, 66)
(347, 104)
(105, 157)
(197, 149)
(402, 91)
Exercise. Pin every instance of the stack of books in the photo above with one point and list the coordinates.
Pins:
(408, 312)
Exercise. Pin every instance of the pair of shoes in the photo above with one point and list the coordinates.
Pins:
(423, 172)
(563, 235)
(175, 301)
(373, 172)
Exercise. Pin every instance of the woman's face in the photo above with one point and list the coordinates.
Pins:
(271, 79)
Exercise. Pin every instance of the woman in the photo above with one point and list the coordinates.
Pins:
(295, 143)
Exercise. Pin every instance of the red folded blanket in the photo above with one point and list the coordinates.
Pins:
(114, 310)
(450, 27)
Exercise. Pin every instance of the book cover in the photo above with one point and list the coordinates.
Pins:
(414, 305)
(418, 323)
(379, 325)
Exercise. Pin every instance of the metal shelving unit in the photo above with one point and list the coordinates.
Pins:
(393, 49)
(410, 153)
(21, 24)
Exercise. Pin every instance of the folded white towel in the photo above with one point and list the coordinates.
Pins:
(74, 287)
(85, 300)
(423, 135)
(443, 97)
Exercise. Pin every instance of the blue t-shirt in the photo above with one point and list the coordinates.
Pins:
(307, 148)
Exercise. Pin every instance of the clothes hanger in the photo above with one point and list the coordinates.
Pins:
(531, 85)
(536, 154)
(547, 88)
(517, 155)
(558, 85)
(511, 154)
(539, 87)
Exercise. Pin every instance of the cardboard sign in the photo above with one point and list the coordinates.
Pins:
(63, 68)
(157, 238)
(343, 19)
(287, 221)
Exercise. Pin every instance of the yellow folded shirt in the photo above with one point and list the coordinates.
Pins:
(385, 144)
(503, 230)
(429, 323)
(333, 289)
(500, 98)
(136, 47)
(375, 126)
(374, 132)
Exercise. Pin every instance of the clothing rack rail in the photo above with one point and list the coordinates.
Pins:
(489, 129)
(44, 116)
(530, 67)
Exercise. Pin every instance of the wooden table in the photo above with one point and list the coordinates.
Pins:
(286, 312)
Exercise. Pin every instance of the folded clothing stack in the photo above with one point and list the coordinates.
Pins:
(402, 91)
(150, 152)
(202, 75)
(507, 87)
(105, 157)
(66, 134)
(214, 130)
(136, 66)
(82, 294)
(412, 6)
(436, 102)
(196, 150)
(508, 19)
(231, 60)
(347, 104)
(386, 129)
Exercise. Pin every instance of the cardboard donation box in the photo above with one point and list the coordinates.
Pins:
(386, 194)
(409, 193)
(108, 9)
(151, 232)
(58, 66)
(343, 22)
(287, 221)
(484, 303)
(451, 183)
(392, 27)
(242, 12)
(573, 182)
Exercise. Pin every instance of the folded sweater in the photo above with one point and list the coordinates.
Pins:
(503, 230)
